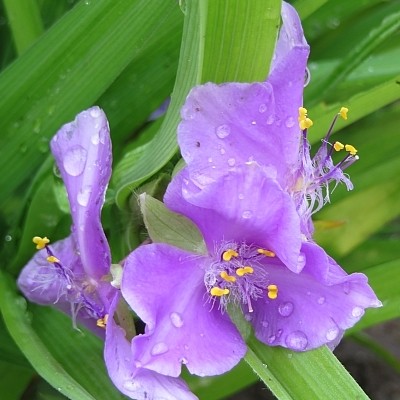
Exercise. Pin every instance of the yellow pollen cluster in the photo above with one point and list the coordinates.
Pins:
(272, 291)
(224, 275)
(343, 112)
(267, 253)
(351, 149)
(338, 146)
(304, 121)
(40, 242)
(52, 259)
(228, 254)
(216, 291)
(102, 322)
(243, 271)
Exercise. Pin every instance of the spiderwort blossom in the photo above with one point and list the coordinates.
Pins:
(229, 124)
(183, 297)
(69, 272)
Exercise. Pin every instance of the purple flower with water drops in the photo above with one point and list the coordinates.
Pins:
(229, 124)
(183, 297)
(69, 273)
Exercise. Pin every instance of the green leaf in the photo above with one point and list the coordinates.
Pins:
(90, 46)
(13, 380)
(198, 62)
(69, 360)
(165, 226)
(25, 22)
(315, 374)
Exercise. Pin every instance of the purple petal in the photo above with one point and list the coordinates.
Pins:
(313, 307)
(41, 282)
(165, 287)
(137, 383)
(245, 205)
(226, 125)
(287, 78)
(82, 149)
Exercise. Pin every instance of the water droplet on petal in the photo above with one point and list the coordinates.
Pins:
(231, 162)
(357, 312)
(159, 348)
(301, 260)
(265, 324)
(262, 108)
(332, 333)
(223, 131)
(176, 320)
(248, 317)
(247, 214)
(240, 196)
(297, 340)
(279, 333)
(270, 120)
(321, 300)
(75, 160)
(254, 122)
(285, 309)
(186, 347)
(210, 159)
(83, 196)
(95, 112)
(132, 386)
(289, 122)
(271, 339)
(222, 150)
(95, 138)
(138, 364)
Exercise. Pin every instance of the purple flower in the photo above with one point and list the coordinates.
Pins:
(68, 273)
(229, 124)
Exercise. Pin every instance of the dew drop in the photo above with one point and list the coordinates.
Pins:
(231, 162)
(301, 260)
(254, 122)
(289, 122)
(240, 196)
(8, 238)
(297, 340)
(332, 333)
(95, 138)
(262, 108)
(210, 159)
(247, 214)
(248, 317)
(183, 360)
(271, 339)
(176, 320)
(265, 324)
(132, 386)
(186, 346)
(279, 333)
(270, 120)
(321, 300)
(222, 150)
(95, 112)
(285, 309)
(223, 131)
(75, 160)
(159, 348)
(357, 312)
(83, 196)
(290, 355)
(202, 334)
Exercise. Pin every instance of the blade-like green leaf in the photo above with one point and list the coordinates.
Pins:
(13, 380)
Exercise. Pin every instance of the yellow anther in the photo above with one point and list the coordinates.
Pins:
(343, 112)
(305, 123)
(351, 149)
(227, 277)
(52, 259)
(228, 254)
(216, 291)
(102, 322)
(244, 270)
(302, 112)
(267, 253)
(272, 291)
(338, 146)
(40, 242)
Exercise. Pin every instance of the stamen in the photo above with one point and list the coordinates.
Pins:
(272, 292)
(305, 123)
(338, 146)
(243, 271)
(249, 305)
(267, 253)
(217, 291)
(224, 275)
(351, 149)
(102, 322)
(343, 112)
(302, 113)
(40, 242)
(228, 254)
(52, 259)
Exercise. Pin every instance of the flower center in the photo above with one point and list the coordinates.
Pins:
(238, 274)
